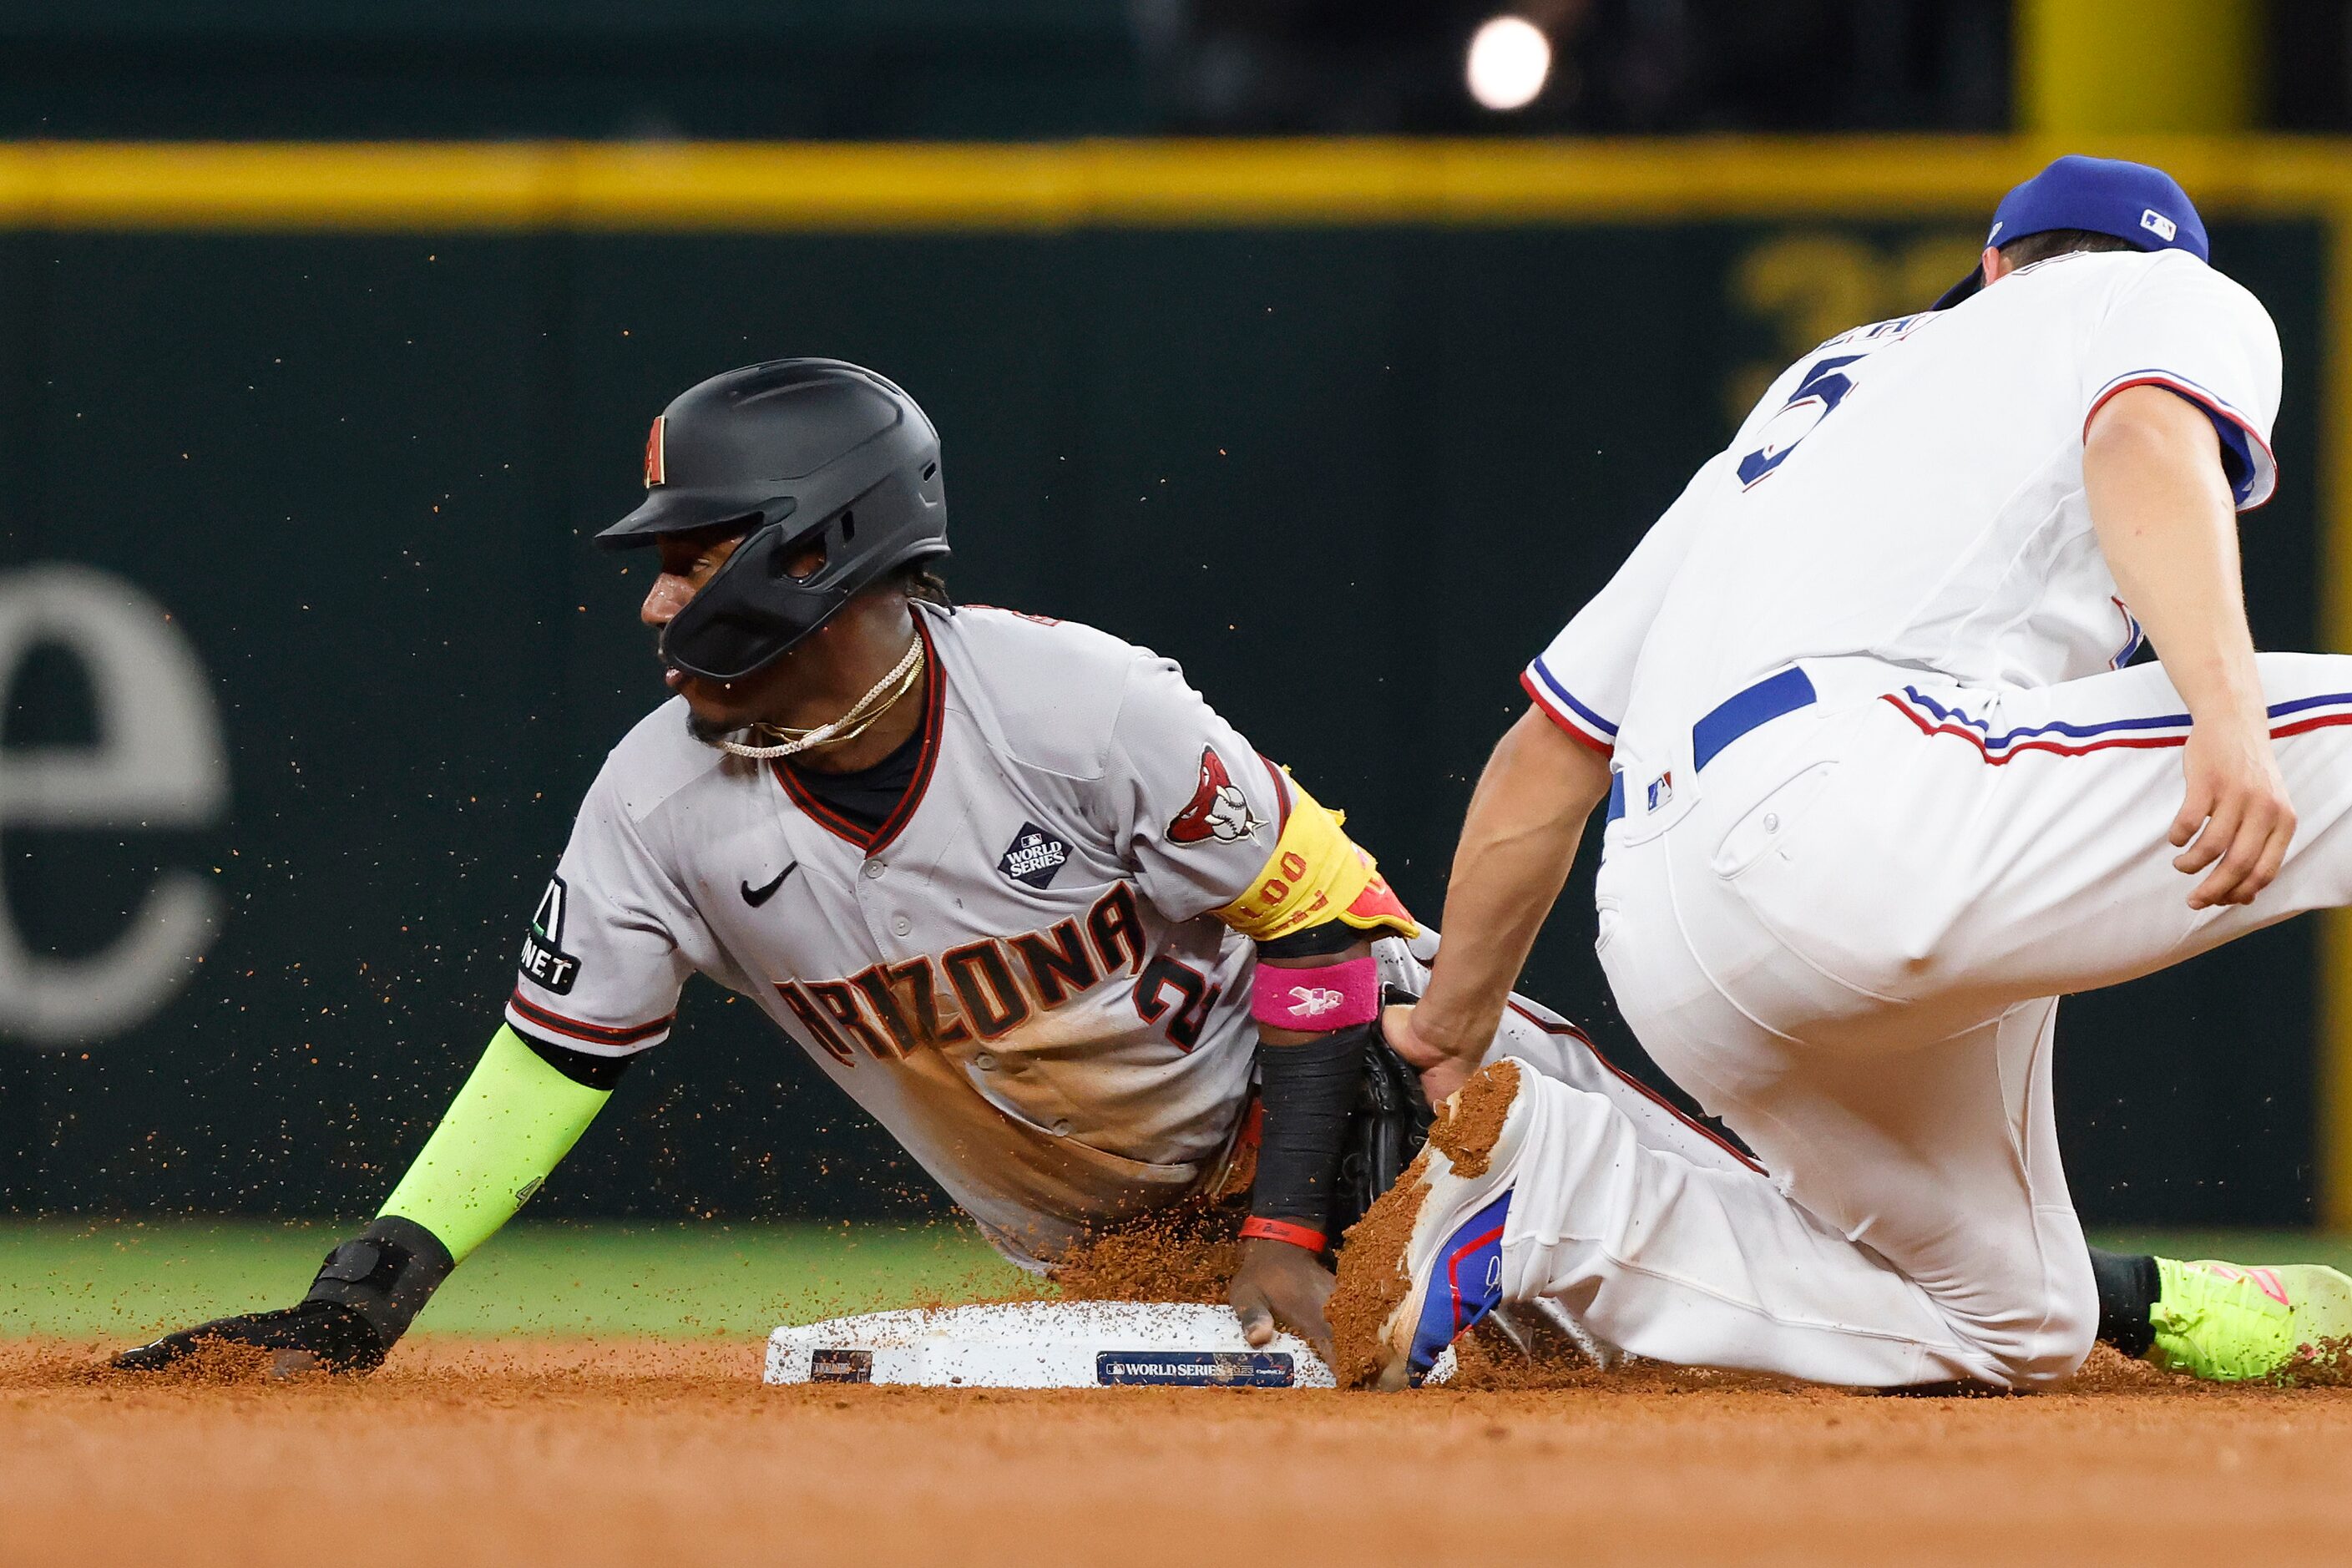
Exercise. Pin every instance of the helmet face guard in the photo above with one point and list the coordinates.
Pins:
(805, 454)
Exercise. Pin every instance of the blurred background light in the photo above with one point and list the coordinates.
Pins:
(1510, 61)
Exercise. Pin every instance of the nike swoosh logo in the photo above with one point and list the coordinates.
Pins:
(755, 896)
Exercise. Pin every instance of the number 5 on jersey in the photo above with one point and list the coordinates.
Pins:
(1823, 387)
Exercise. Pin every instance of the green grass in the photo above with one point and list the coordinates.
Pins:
(128, 1280)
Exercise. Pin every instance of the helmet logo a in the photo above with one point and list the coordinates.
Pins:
(654, 469)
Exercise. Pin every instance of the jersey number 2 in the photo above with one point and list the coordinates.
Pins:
(1822, 389)
(1194, 997)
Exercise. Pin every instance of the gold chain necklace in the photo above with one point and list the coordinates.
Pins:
(862, 715)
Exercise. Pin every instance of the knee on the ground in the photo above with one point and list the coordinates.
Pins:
(2038, 1334)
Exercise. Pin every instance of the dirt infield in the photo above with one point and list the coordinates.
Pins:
(641, 1452)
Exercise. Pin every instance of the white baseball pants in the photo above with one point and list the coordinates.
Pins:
(1849, 946)
(1535, 1035)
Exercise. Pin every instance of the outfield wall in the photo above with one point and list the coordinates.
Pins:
(1347, 428)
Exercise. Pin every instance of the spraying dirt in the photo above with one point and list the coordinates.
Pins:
(1184, 1254)
(1370, 1282)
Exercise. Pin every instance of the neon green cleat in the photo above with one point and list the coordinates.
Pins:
(2226, 1323)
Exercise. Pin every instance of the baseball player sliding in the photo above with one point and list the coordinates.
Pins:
(1011, 883)
(1879, 790)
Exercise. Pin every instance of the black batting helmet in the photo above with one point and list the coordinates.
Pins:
(800, 452)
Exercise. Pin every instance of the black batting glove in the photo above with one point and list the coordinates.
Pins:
(315, 1336)
(367, 1292)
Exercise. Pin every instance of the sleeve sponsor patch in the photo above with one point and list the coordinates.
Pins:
(544, 962)
(1218, 810)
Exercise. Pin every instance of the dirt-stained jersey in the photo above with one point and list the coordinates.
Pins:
(1017, 973)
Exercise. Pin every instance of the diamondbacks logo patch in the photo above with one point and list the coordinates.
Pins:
(544, 962)
(657, 460)
(1217, 810)
(1033, 856)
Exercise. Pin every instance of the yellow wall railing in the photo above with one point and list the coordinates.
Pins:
(682, 187)
(740, 187)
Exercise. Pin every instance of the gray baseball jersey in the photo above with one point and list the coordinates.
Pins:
(1017, 973)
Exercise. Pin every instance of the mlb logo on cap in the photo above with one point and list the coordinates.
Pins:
(2142, 206)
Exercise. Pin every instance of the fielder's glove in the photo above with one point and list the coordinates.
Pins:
(1391, 1118)
(365, 1295)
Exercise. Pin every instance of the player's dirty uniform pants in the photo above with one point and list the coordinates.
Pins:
(1849, 945)
(1529, 1033)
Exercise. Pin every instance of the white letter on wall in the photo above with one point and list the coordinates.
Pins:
(159, 763)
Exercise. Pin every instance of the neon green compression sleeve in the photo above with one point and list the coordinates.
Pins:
(510, 1124)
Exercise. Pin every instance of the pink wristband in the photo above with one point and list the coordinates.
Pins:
(1317, 1001)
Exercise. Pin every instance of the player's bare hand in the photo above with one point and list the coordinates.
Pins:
(2234, 815)
(1441, 1070)
(1277, 1284)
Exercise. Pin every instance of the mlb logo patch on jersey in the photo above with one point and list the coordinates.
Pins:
(1034, 857)
(1661, 791)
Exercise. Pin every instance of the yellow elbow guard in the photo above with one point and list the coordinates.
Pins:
(1318, 874)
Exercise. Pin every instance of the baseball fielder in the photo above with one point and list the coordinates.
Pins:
(1879, 789)
(1011, 883)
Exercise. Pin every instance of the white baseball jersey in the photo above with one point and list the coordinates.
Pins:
(1848, 936)
(1912, 491)
(1017, 974)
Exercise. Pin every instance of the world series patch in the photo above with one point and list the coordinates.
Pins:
(1033, 856)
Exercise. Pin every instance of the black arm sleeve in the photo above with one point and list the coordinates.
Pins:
(1309, 1092)
(587, 1070)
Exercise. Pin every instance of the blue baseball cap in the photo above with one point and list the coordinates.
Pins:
(2142, 206)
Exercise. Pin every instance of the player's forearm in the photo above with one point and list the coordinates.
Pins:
(516, 1117)
(514, 1120)
(1518, 840)
(1314, 908)
(1308, 1078)
(2160, 503)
